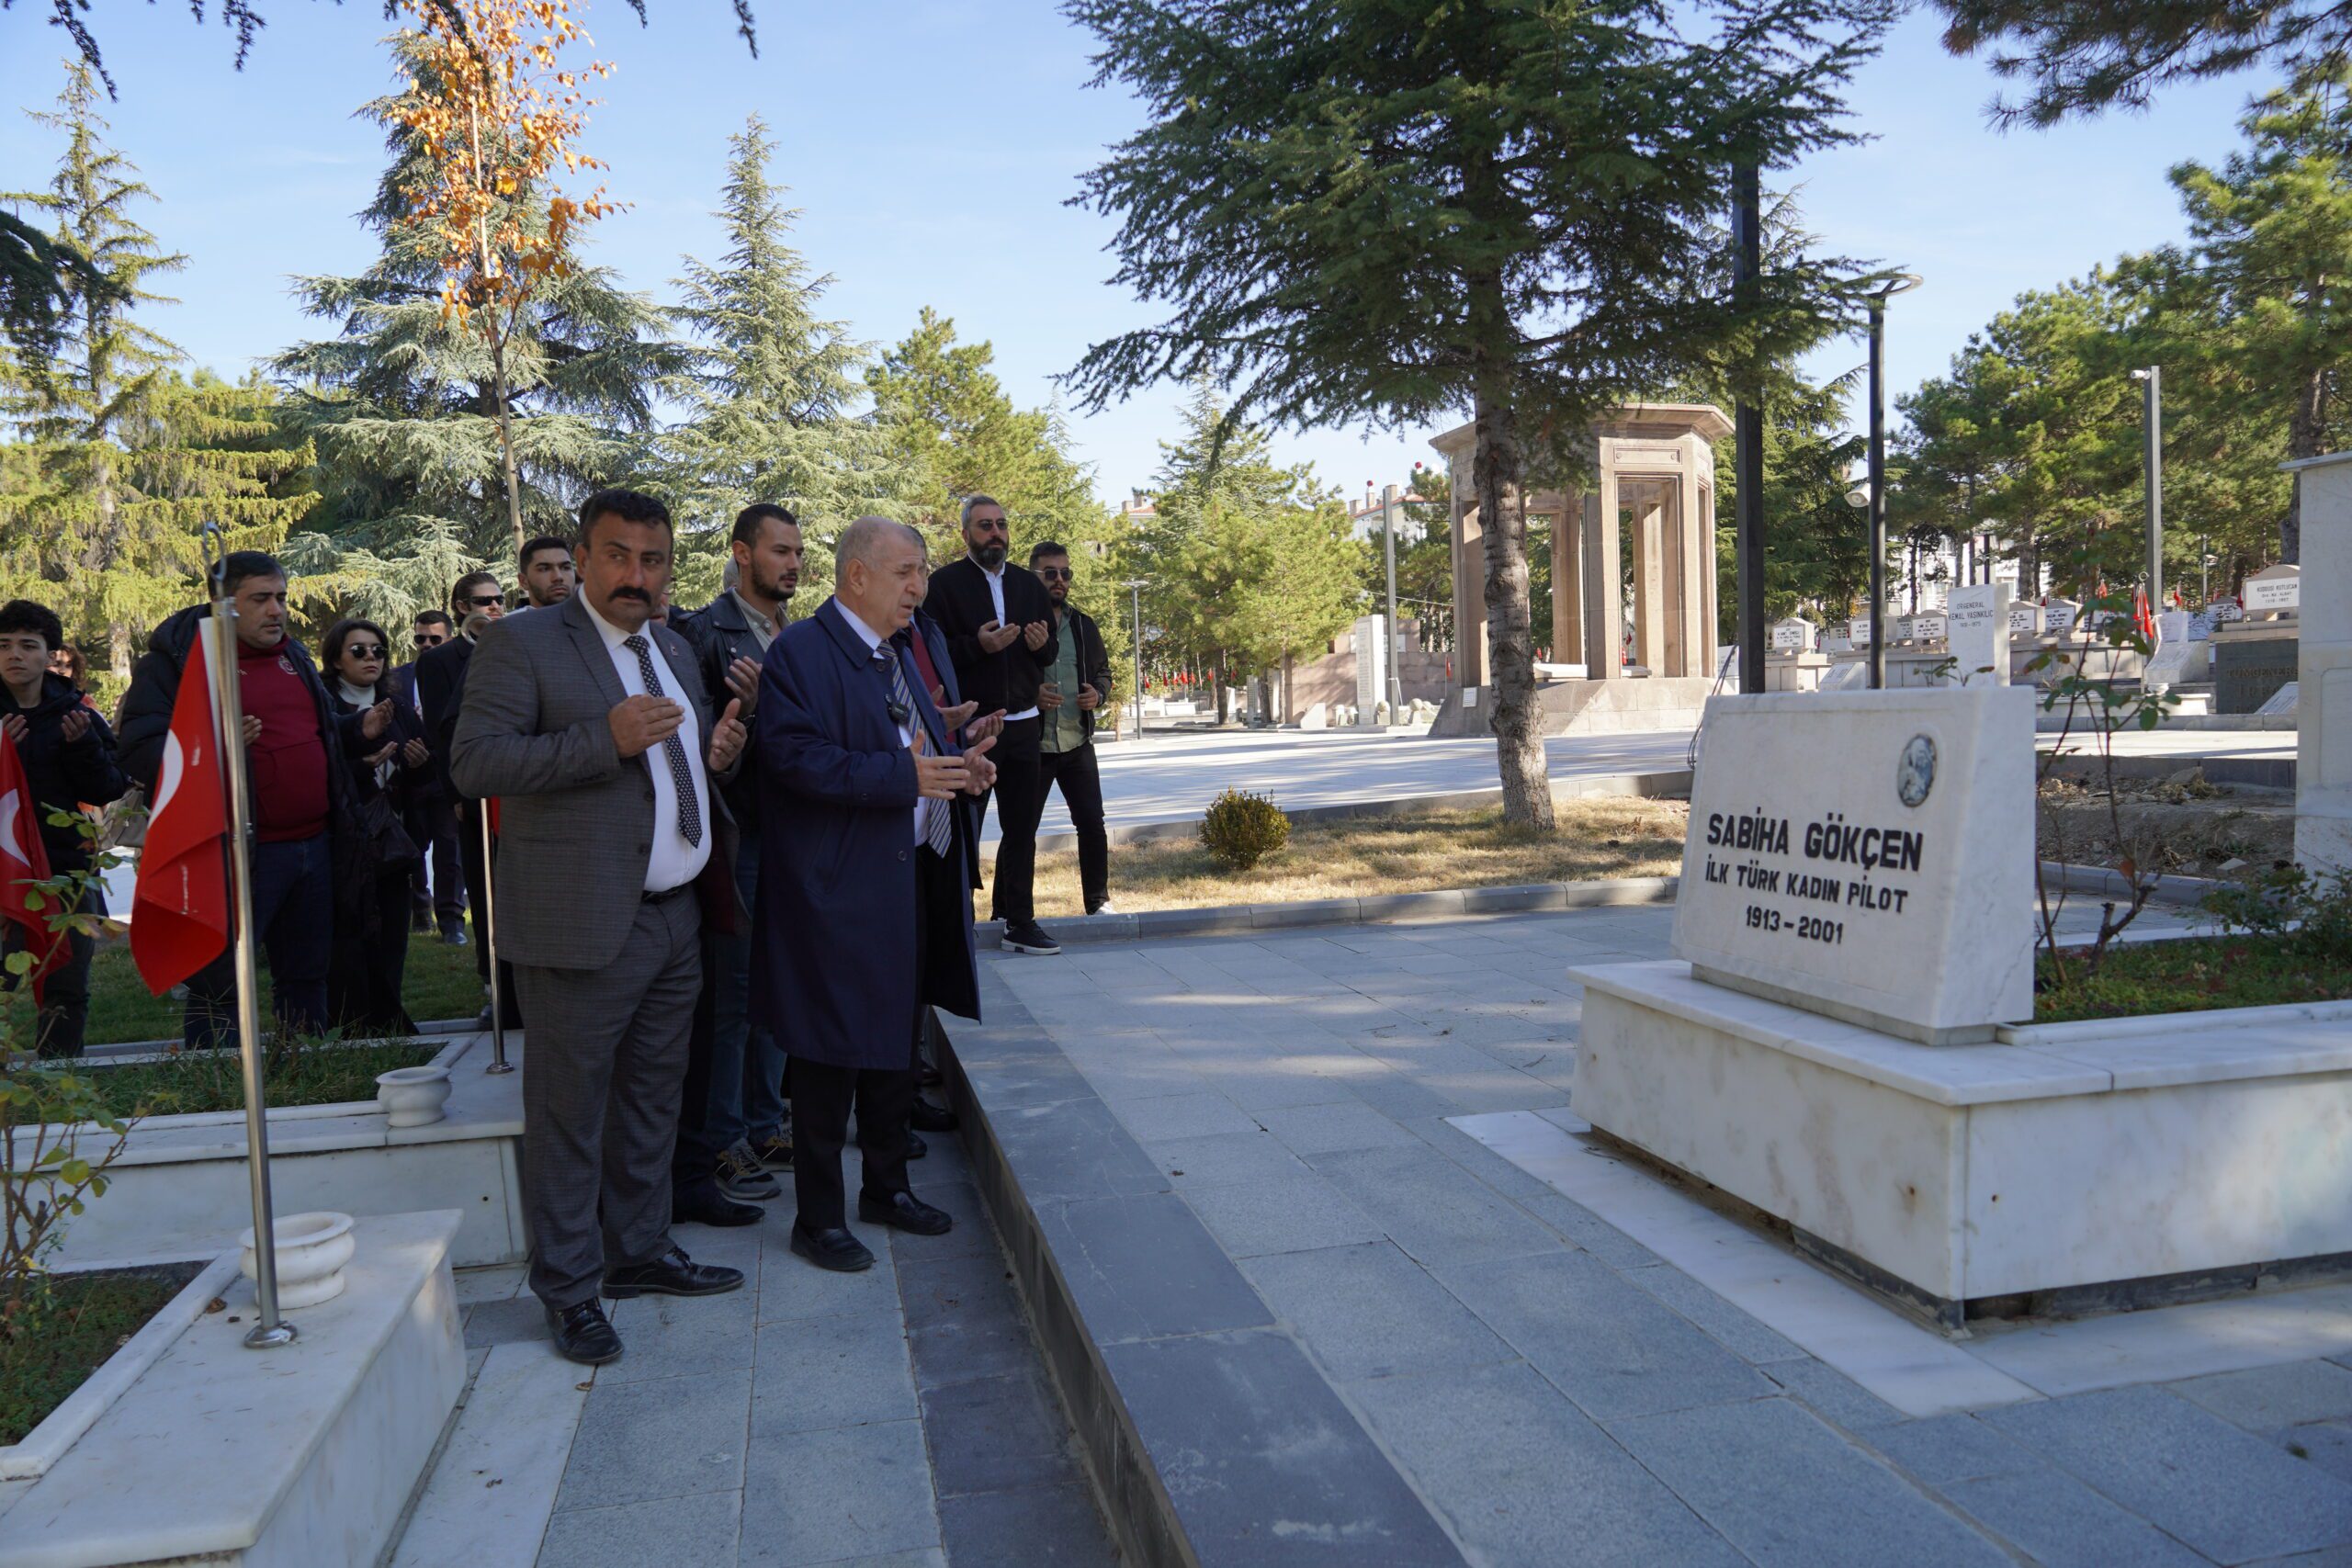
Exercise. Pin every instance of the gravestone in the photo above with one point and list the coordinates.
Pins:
(1893, 890)
(2323, 675)
(1370, 639)
(1316, 716)
(1858, 631)
(2025, 620)
(1930, 626)
(2273, 589)
(1793, 636)
(2058, 617)
(2282, 701)
(1979, 638)
(2225, 610)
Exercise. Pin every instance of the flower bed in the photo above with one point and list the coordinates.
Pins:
(190, 1081)
(54, 1347)
(2192, 974)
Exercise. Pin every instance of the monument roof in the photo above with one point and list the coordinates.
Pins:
(1703, 420)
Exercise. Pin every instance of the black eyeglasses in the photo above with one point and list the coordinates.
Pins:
(430, 639)
(484, 601)
(1055, 573)
(365, 650)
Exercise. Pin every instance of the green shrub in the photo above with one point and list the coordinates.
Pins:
(2309, 912)
(1242, 829)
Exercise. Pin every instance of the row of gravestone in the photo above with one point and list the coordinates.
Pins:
(1969, 612)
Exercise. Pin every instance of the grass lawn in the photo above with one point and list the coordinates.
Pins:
(87, 1318)
(441, 983)
(214, 1080)
(2193, 976)
(1599, 837)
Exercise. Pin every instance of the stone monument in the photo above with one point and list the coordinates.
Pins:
(2323, 668)
(1978, 638)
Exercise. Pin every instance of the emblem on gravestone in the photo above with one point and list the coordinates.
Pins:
(1915, 775)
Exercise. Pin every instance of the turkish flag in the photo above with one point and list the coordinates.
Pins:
(20, 816)
(179, 920)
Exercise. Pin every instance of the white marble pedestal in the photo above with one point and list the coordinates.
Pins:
(2065, 1157)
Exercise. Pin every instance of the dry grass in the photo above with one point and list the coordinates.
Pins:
(1596, 838)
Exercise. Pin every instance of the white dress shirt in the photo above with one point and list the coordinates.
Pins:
(996, 597)
(906, 729)
(673, 863)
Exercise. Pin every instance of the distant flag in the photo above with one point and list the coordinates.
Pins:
(21, 843)
(180, 905)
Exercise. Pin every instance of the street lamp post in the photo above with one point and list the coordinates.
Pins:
(1902, 283)
(1134, 592)
(1389, 501)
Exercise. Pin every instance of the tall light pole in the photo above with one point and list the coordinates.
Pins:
(1902, 283)
(2153, 479)
(1747, 438)
(1134, 592)
(1389, 501)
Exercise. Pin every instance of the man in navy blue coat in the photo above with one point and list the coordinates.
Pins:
(864, 906)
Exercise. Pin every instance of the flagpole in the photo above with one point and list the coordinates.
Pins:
(498, 1061)
(271, 1329)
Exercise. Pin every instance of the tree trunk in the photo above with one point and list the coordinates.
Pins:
(2306, 430)
(506, 441)
(1495, 470)
(1224, 699)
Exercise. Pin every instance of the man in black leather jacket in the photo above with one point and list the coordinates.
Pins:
(1076, 687)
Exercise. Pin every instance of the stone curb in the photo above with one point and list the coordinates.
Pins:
(1236, 920)
(2187, 891)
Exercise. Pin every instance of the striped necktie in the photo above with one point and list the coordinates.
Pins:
(673, 750)
(939, 828)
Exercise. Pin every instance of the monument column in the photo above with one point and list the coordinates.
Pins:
(1650, 612)
(1469, 587)
(1567, 580)
(2324, 667)
(1695, 557)
(1604, 597)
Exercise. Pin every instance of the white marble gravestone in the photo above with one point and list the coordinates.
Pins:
(1979, 638)
(1793, 636)
(2275, 588)
(2058, 616)
(2323, 668)
(1891, 890)
(2024, 619)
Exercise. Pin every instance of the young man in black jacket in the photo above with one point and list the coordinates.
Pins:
(307, 854)
(999, 626)
(1076, 687)
(69, 758)
(440, 693)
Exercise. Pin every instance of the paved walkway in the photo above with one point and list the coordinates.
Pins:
(895, 1417)
(1557, 1391)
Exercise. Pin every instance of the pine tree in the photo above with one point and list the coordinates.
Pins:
(123, 461)
(1368, 209)
(773, 403)
(402, 405)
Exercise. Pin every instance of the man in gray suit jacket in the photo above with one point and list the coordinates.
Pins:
(587, 722)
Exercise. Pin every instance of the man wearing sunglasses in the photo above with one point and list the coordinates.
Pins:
(441, 690)
(1075, 689)
(432, 819)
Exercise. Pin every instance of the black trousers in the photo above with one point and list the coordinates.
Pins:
(509, 1000)
(367, 971)
(65, 1009)
(1082, 786)
(433, 826)
(1020, 794)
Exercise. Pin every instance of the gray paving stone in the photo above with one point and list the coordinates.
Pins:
(1263, 1463)
(1492, 1088)
(1140, 1268)
(1476, 1159)
(1832, 1395)
(954, 1289)
(1288, 1213)
(996, 1435)
(671, 1437)
(2229, 1494)
(2266, 1397)
(821, 1373)
(508, 1321)
(1270, 1085)
(1371, 1312)
(1047, 1527)
(2327, 1444)
(852, 1493)
(1437, 1211)
(1786, 1490)
(1220, 1159)
(1609, 1347)
(1394, 1095)
(701, 1529)
(2061, 1523)
(1940, 1448)
(1341, 1124)
(1526, 1480)
(1590, 1232)
(1028, 1083)
(1164, 1117)
(1074, 1150)
(1727, 1325)
(671, 1336)
(792, 1287)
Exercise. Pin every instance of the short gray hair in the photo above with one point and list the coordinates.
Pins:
(864, 538)
(964, 518)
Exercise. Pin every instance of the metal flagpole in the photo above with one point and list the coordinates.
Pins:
(271, 1329)
(498, 1061)
(1388, 504)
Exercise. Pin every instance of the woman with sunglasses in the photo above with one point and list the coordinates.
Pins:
(364, 982)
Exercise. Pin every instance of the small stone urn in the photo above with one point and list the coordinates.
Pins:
(413, 1096)
(312, 1251)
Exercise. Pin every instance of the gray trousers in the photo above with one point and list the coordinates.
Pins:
(603, 1066)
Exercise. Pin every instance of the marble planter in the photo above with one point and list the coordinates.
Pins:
(312, 1251)
(413, 1096)
(2118, 1160)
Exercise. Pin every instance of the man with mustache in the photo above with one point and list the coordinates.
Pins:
(588, 724)
(742, 1130)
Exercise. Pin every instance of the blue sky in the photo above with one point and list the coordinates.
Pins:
(932, 146)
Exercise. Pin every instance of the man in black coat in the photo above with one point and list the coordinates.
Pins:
(69, 760)
(306, 850)
(1078, 687)
(1000, 625)
(432, 817)
(440, 691)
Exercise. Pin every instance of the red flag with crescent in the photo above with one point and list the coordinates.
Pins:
(180, 910)
(28, 860)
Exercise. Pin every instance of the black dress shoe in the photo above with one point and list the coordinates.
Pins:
(929, 1118)
(834, 1249)
(708, 1206)
(931, 1076)
(916, 1148)
(904, 1211)
(672, 1274)
(582, 1334)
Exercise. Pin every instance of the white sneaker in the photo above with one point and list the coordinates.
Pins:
(1104, 908)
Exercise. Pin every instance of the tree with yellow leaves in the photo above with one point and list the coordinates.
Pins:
(495, 110)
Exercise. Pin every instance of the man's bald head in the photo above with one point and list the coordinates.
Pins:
(878, 572)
